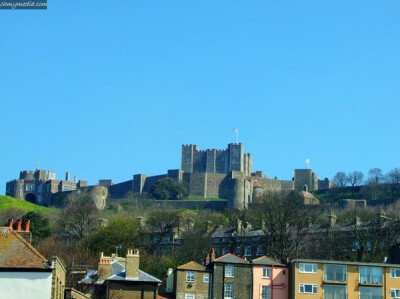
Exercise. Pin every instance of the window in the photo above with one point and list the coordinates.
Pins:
(266, 272)
(370, 293)
(265, 292)
(334, 292)
(229, 271)
(206, 278)
(335, 273)
(238, 251)
(224, 251)
(190, 296)
(394, 273)
(190, 276)
(395, 293)
(247, 251)
(308, 288)
(371, 275)
(260, 251)
(228, 291)
(308, 268)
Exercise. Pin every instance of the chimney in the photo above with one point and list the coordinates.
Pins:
(132, 264)
(27, 225)
(212, 255)
(19, 222)
(10, 223)
(207, 261)
(67, 175)
(104, 267)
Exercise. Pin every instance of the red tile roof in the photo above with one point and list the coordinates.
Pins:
(16, 252)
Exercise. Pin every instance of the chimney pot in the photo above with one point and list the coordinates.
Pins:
(27, 225)
(19, 223)
(10, 223)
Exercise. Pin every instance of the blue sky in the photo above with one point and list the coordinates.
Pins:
(110, 90)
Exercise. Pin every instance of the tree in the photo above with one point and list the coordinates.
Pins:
(394, 176)
(39, 226)
(375, 176)
(355, 178)
(121, 233)
(340, 179)
(167, 188)
(78, 218)
(286, 222)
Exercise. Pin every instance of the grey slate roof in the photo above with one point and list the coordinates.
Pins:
(143, 277)
(230, 258)
(226, 232)
(264, 260)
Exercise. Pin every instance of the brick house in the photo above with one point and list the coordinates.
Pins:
(23, 270)
(191, 280)
(119, 277)
(231, 277)
(270, 279)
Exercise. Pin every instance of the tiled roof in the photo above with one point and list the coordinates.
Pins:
(192, 266)
(16, 252)
(231, 259)
(264, 260)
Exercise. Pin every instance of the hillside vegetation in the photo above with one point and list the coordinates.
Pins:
(7, 202)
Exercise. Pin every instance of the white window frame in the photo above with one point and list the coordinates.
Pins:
(206, 278)
(259, 251)
(393, 293)
(190, 296)
(190, 276)
(238, 251)
(302, 268)
(266, 272)
(393, 273)
(268, 294)
(230, 285)
(229, 271)
(302, 288)
(247, 251)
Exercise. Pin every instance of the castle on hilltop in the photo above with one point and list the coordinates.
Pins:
(207, 173)
(224, 174)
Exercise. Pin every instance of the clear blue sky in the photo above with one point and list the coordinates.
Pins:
(114, 89)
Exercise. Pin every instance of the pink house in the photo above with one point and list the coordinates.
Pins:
(270, 279)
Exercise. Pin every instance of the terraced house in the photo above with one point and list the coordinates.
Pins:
(342, 280)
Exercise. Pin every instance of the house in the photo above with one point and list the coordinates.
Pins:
(118, 277)
(270, 279)
(340, 279)
(231, 277)
(191, 281)
(23, 270)
(241, 240)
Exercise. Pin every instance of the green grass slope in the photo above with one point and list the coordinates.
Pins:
(7, 202)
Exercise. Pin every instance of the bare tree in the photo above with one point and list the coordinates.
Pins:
(286, 223)
(340, 179)
(355, 178)
(394, 176)
(375, 176)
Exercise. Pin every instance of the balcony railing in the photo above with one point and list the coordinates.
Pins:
(371, 279)
(335, 277)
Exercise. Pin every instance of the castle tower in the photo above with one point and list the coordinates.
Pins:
(188, 153)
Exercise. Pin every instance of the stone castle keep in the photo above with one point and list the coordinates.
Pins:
(207, 173)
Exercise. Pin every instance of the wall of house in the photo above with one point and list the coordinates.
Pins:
(278, 281)
(19, 284)
(242, 281)
(132, 291)
(199, 288)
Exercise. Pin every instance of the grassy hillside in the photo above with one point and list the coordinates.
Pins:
(7, 202)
